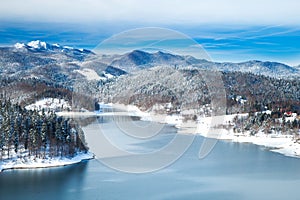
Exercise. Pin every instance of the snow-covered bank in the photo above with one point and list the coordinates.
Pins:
(29, 163)
(131, 110)
(280, 143)
(284, 144)
(223, 130)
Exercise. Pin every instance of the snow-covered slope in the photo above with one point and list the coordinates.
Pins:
(51, 63)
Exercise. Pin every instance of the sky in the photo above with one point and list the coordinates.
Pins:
(229, 30)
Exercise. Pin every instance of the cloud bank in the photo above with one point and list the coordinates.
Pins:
(154, 11)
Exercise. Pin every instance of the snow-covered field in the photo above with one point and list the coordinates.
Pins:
(92, 74)
(49, 104)
(27, 163)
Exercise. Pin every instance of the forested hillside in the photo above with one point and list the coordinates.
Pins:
(27, 133)
(186, 88)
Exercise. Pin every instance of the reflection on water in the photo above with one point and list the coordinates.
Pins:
(47, 183)
(230, 171)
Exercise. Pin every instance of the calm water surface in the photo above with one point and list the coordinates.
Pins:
(230, 171)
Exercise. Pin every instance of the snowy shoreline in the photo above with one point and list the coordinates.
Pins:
(33, 163)
(279, 143)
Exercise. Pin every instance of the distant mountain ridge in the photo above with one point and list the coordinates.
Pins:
(63, 64)
(137, 59)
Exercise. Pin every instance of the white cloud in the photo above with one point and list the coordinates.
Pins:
(155, 11)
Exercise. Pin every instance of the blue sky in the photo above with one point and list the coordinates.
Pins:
(229, 30)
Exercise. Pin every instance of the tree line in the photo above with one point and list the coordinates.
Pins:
(268, 123)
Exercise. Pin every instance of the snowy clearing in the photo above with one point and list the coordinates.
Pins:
(90, 74)
(49, 104)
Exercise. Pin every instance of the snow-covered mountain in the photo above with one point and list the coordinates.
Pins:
(137, 60)
(63, 64)
(41, 46)
(53, 63)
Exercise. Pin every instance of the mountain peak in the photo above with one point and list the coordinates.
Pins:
(19, 45)
(138, 53)
(38, 45)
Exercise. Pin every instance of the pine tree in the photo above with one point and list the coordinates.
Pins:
(44, 136)
(2, 136)
(17, 125)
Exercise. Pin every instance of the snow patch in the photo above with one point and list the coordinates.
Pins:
(108, 76)
(50, 104)
(56, 45)
(67, 47)
(37, 44)
(176, 120)
(90, 74)
(19, 45)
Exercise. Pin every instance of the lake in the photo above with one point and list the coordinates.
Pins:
(230, 171)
